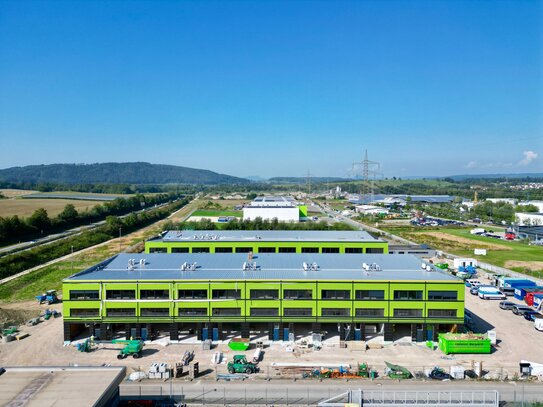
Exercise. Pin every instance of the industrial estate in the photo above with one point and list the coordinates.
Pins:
(295, 299)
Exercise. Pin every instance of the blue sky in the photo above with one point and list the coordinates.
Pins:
(274, 88)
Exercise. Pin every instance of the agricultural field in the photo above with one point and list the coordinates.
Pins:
(515, 255)
(25, 207)
(88, 196)
(14, 193)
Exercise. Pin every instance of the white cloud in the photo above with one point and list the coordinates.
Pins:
(471, 164)
(529, 156)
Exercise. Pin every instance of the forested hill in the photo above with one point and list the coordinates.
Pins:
(115, 173)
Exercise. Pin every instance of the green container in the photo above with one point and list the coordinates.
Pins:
(462, 343)
(239, 344)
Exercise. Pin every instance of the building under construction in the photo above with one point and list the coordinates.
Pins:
(216, 296)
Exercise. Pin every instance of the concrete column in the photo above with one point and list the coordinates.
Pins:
(389, 332)
(174, 331)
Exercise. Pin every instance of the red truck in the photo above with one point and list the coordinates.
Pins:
(529, 297)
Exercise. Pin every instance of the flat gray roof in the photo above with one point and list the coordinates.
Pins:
(270, 266)
(59, 386)
(338, 236)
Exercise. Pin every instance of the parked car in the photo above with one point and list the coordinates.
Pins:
(474, 290)
(507, 305)
(531, 315)
(472, 283)
(520, 309)
(490, 293)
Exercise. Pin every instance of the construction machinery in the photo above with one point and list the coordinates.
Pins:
(343, 372)
(397, 372)
(49, 297)
(86, 346)
(132, 347)
(240, 365)
(9, 330)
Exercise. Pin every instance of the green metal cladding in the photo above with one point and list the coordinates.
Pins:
(263, 301)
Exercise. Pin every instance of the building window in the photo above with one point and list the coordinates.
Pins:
(407, 295)
(121, 294)
(180, 249)
(442, 295)
(158, 250)
(297, 294)
(266, 249)
(336, 312)
(226, 312)
(336, 294)
(78, 295)
(226, 294)
(354, 250)
(192, 294)
(155, 312)
(297, 312)
(200, 249)
(330, 249)
(84, 312)
(192, 312)
(244, 249)
(264, 312)
(154, 294)
(407, 313)
(370, 312)
(264, 294)
(224, 249)
(370, 294)
(375, 250)
(121, 312)
(310, 249)
(441, 313)
(287, 250)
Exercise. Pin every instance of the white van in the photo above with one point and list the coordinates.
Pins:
(490, 293)
(538, 324)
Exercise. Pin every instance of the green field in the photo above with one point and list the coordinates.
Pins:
(217, 213)
(515, 255)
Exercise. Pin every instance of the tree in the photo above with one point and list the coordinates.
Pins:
(113, 224)
(39, 220)
(68, 214)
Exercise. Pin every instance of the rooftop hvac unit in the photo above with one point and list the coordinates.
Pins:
(305, 266)
(314, 266)
(244, 267)
(429, 268)
(423, 266)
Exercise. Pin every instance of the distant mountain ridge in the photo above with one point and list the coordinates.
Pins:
(116, 173)
(484, 176)
(302, 180)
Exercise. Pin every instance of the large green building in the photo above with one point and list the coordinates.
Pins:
(216, 295)
(266, 241)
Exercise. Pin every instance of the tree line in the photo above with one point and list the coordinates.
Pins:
(256, 224)
(15, 263)
(14, 229)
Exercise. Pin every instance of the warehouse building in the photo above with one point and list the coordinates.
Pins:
(266, 241)
(215, 297)
(274, 207)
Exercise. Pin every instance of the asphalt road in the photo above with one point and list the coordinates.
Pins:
(311, 392)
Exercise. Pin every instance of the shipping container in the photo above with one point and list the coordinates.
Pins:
(464, 343)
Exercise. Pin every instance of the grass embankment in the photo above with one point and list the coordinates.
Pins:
(50, 277)
(515, 255)
(217, 213)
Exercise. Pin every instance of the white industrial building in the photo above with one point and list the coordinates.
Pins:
(529, 218)
(271, 207)
(371, 210)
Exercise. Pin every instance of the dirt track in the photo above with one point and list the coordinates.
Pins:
(464, 241)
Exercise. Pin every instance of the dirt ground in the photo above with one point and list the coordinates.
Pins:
(25, 207)
(517, 339)
(532, 265)
(464, 241)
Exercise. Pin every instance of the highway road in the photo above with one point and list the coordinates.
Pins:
(310, 392)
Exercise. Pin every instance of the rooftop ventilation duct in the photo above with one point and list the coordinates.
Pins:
(305, 266)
